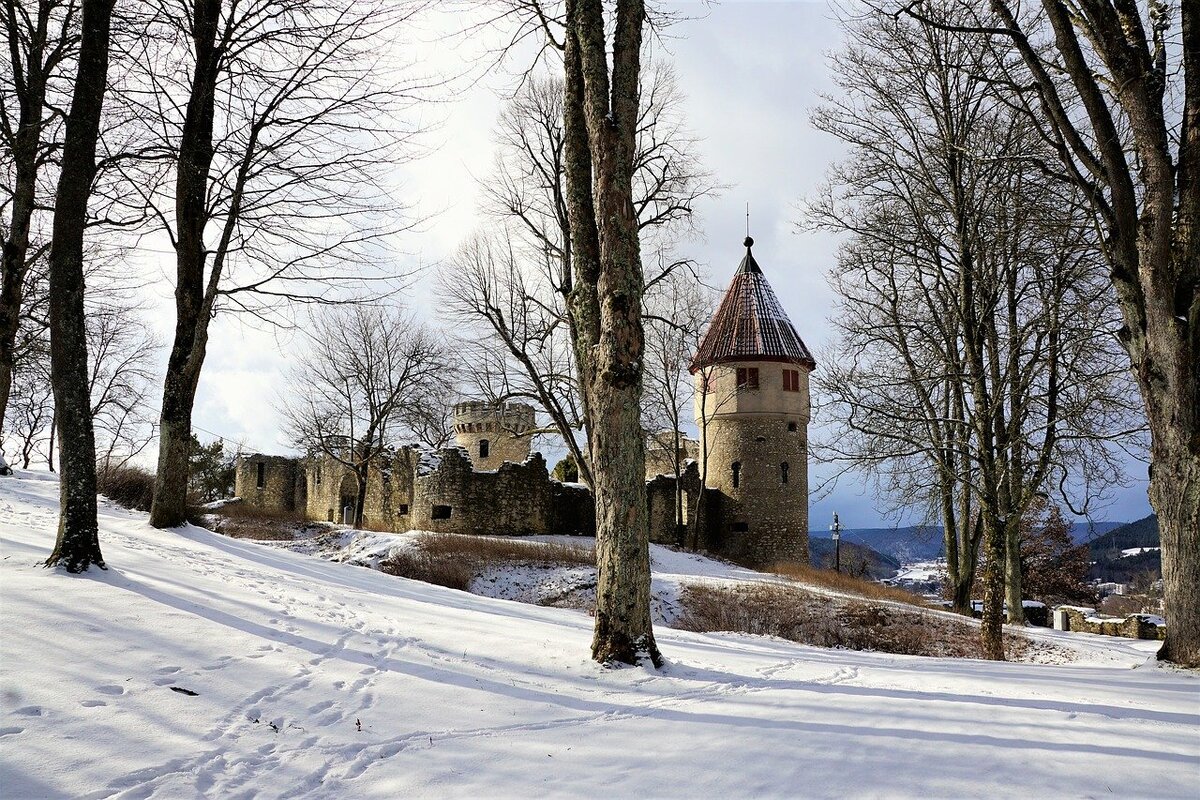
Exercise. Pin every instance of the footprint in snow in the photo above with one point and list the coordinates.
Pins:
(30, 711)
(167, 670)
(93, 703)
(12, 730)
(111, 689)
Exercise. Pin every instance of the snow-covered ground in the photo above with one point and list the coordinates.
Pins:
(459, 695)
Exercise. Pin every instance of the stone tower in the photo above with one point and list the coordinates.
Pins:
(752, 409)
(493, 433)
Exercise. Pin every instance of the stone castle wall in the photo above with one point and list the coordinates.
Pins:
(494, 433)
(660, 453)
(515, 499)
(756, 442)
(268, 483)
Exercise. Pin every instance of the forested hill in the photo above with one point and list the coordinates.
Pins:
(1141, 533)
(923, 542)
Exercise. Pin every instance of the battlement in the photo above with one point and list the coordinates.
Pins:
(475, 416)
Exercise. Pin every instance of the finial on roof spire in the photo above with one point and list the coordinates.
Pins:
(748, 243)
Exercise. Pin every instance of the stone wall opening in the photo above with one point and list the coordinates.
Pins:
(440, 512)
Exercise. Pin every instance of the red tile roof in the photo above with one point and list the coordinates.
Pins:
(750, 324)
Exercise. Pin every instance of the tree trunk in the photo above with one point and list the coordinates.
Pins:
(78, 544)
(992, 630)
(1012, 571)
(193, 303)
(169, 507)
(361, 474)
(606, 313)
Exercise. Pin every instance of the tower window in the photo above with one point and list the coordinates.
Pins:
(747, 377)
(440, 512)
(783, 472)
(403, 509)
(791, 427)
(484, 448)
(736, 468)
(262, 475)
(791, 380)
(740, 527)
(318, 475)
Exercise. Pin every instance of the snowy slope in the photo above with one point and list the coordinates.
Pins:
(467, 696)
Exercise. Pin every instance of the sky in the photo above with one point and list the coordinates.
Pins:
(752, 73)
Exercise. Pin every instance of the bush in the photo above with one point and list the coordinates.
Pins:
(799, 616)
(453, 560)
(126, 485)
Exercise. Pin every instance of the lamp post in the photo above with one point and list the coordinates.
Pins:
(836, 533)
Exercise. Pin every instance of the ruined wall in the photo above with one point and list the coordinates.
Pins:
(267, 483)
(515, 499)
(494, 433)
(389, 500)
(661, 502)
(660, 453)
(757, 464)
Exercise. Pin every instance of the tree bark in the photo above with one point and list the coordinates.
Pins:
(600, 121)
(78, 544)
(193, 304)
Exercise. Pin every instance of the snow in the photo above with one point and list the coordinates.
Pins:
(468, 696)
(1137, 551)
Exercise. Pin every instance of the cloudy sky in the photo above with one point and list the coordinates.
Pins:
(752, 73)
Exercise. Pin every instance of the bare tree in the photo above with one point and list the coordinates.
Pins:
(42, 40)
(972, 347)
(78, 543)
(599, 152)
(518, 330)
(1118, 102)
(675, 315)
(367, 370)
(514, 284)
(274, 125)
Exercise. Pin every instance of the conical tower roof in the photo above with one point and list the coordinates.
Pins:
(750, 324)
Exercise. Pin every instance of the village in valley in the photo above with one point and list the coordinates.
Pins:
(495, 399)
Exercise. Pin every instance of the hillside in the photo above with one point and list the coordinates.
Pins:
(855, 556)
(1114, 556)
(913, 543)
(202, 666)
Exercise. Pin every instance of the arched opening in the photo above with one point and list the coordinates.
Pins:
(783, 472)
(484, 448)
(736, 469)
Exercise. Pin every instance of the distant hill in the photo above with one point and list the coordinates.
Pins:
(879, 565)
(1142, 533)
(904, 545)
(924, 542)
(1108, 561)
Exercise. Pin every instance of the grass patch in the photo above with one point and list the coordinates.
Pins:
(799, 616)
(453, 560)
(848, 584)
(243, 521)
(127, 485)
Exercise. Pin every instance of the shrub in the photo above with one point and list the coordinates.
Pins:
(126, 485)
(449, 559)
(799, 616)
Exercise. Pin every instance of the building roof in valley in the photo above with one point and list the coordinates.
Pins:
(750, 324)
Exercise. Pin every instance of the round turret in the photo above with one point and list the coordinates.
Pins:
(493, 433)
(752, 410)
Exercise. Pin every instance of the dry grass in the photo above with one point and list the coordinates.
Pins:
(799, 616)
(841, 582)
(453, 560)
(242, 521)
(128, 486)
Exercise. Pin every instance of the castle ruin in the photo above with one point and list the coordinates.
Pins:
(747, 475)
